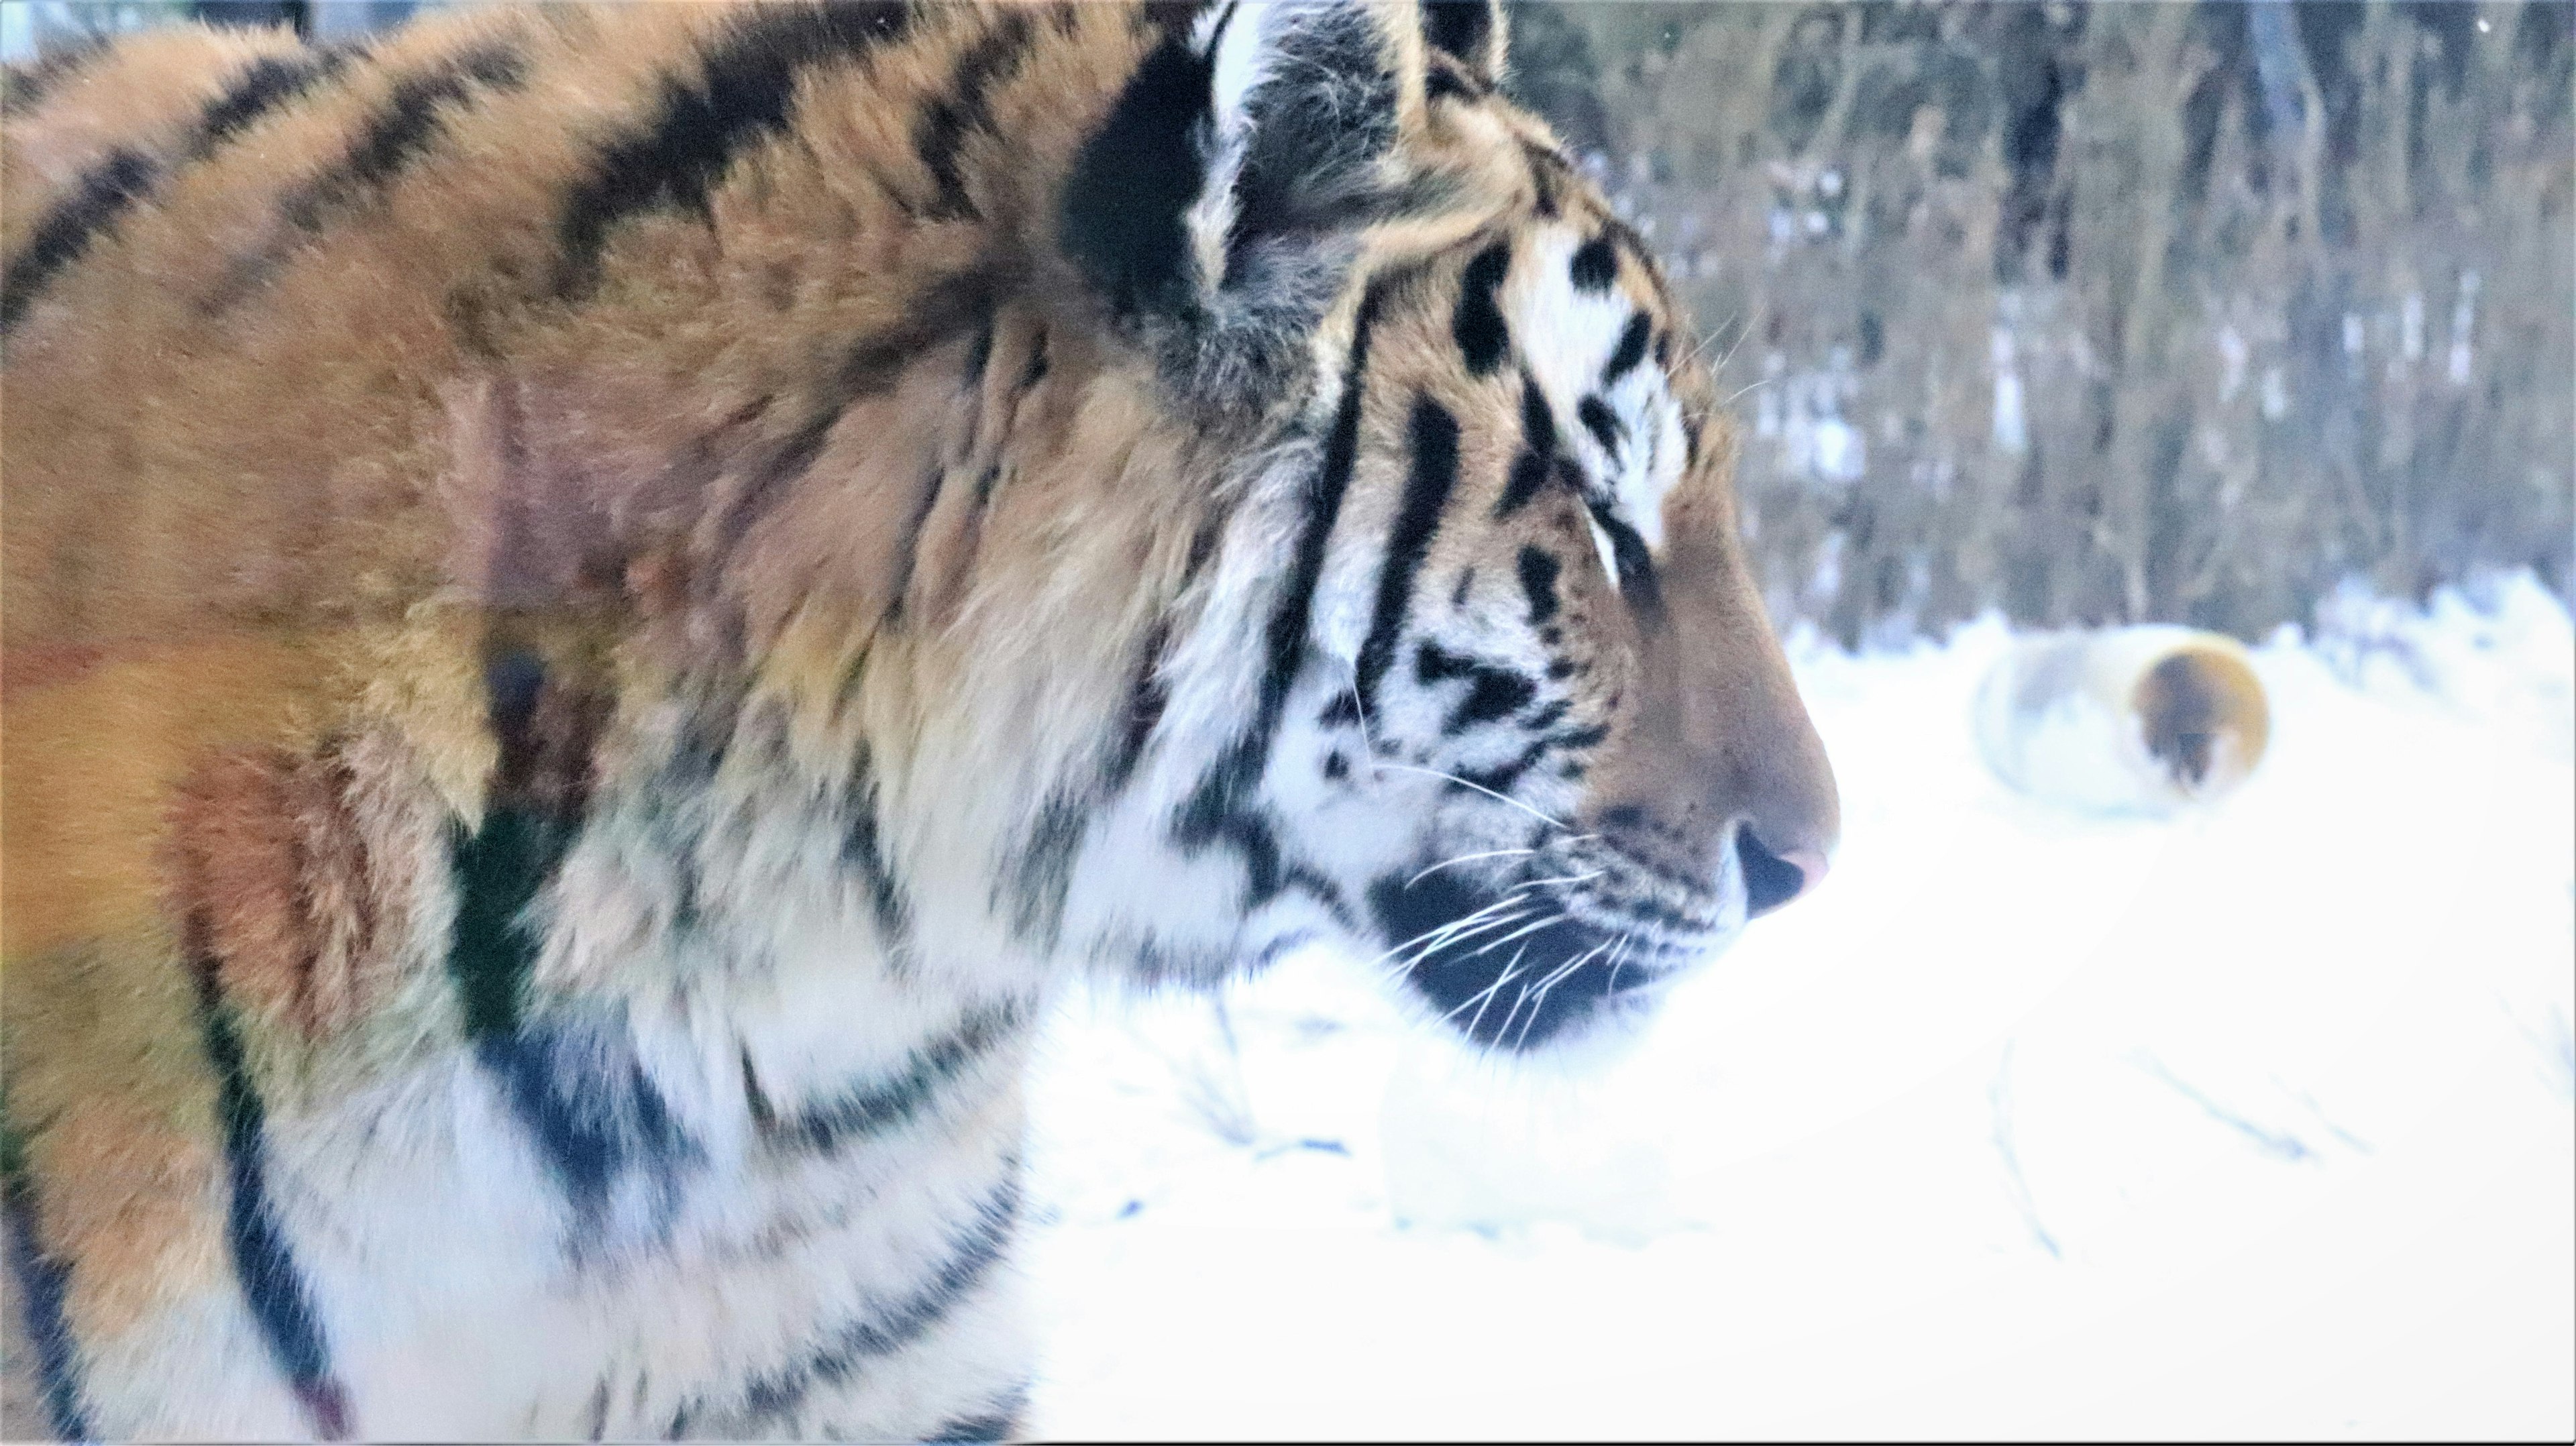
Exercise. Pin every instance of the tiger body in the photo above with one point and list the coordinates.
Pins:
(600, 604)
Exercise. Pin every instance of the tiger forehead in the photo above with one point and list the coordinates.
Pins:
(1572, 311)
(1559, 291)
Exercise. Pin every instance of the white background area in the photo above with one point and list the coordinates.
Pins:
(2253, 1121)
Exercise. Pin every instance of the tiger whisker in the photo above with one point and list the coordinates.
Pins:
(1558, 974)
(1566, 879)
(1465, 859)
(1480, 788)
(1740, 335)
(1487, 993)
(1449, 940)
(1442, 932)
(1710, 340)
(1399, 967)
(1502, 903)
(1490, 1003)
(1369, 742)
(1557, 917)
(1538, 996)
(1505, 1028)
(1359, 710)
(1415, 959)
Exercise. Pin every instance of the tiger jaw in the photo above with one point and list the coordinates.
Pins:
(1535, 960)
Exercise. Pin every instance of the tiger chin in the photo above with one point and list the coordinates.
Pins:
(601, 603)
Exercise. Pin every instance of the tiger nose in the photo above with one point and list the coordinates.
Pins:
(1772, 879)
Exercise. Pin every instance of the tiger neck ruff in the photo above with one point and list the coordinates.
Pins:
(599, 602)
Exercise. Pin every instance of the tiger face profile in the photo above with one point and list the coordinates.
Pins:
(600, 603)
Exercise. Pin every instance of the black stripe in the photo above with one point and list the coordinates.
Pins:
(1528, 475)
(1464, 28)
(1602, 423)
(1492, 692)
(1637, 581)
(1445, 82)
(1596, 265)
(1037, 368)
(883, 1333)
(878, 1108)
(27, 86)
(42, 1281)
(755, 1100)
(1483, 336)
(112, 186)
(265, 85)
(498, 870)
(1000, 1423)
(1538, 420)
(1146, 699)
(960, 111)
(970, 539)
(1630, 351)
(1426, 495)
(1042, 870)
(975, 288)
(908, 552)
(103, 193)
(1220, 808)
(398, 134)
(1538, 447)
(1126, 200)
(1285, 644)
(1323, 891)
(678, 157)
(263, 1263)
(1538, 570)
(579, 1090)
(864, 851)
(1581, 737)
(870, 368)
(1547, 172)
(545, 727)
(1501, 777)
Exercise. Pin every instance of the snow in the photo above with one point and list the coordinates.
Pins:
(2260, 1121)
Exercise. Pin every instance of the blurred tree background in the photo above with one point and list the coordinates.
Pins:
(2189, 310)
(2109, 312)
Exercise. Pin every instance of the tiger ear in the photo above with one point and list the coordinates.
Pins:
(1220, 200)
(1470, 32)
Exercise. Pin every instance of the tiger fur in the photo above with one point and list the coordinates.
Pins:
(600, 603)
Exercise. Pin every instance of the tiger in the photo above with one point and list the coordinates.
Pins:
(603, 604)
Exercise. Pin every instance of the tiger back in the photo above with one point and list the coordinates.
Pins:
(599, 604)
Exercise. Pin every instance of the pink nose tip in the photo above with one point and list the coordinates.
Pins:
(1811, 865)
(1772, 879)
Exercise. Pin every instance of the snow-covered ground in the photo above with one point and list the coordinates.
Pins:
(2258, 1121)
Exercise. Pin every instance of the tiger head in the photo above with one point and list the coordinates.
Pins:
(1502, 708)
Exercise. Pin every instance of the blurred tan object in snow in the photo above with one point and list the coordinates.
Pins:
(2127, 720)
